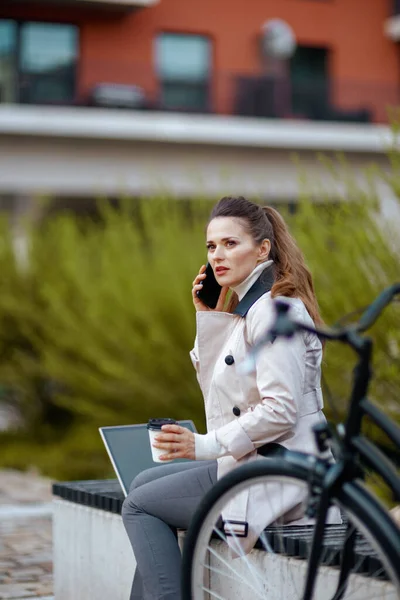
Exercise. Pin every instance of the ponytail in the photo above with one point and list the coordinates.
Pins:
(292, 277)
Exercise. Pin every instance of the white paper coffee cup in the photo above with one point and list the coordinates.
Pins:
(154, 428)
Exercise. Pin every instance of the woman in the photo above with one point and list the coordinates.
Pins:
(253, 255)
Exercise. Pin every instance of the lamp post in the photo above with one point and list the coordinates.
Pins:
(278, 44)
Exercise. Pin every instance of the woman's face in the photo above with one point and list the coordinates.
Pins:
(232, 252)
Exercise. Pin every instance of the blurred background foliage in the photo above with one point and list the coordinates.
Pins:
(96, 328)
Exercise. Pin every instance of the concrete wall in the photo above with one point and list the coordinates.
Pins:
(93, 560)
(89, 152)
(82, 167)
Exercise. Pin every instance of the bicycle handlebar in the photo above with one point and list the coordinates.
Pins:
(369, 317)
(366, 320)
(285, 326)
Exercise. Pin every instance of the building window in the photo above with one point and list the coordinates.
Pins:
(8, 38)
(310, 82)
(39, 61)
(183, 65)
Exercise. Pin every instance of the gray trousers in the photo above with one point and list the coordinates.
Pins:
(161, 500)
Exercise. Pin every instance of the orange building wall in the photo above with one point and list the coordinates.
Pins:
(119, 47)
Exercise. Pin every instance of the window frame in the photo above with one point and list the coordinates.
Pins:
(325, 92)
(18, 70)
(207, 84)
(15, 59)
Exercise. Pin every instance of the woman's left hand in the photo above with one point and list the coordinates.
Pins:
(177, 440)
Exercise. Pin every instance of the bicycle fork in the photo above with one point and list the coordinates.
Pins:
(324, 477)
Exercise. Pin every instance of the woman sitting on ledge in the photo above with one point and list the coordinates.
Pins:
(252, 254)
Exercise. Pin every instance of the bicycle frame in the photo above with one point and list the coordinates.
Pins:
(353, 448)
(354, 443)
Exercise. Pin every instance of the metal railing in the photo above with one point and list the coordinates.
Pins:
(251, 94)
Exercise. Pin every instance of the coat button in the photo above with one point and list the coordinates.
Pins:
(236, 411)
(229, 359)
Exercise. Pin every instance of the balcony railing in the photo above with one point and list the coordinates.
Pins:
(130, 86)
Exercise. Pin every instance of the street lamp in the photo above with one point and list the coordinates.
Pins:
(278, 44)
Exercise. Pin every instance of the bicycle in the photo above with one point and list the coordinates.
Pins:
(313, 560)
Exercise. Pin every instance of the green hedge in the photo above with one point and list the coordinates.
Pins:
(96, 330)
(353, 255)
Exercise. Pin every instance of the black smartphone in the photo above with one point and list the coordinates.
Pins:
(211, 289)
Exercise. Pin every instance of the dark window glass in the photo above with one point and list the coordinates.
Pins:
(8, 47)
(41, 59)
(48, 56)
(184, 68)
(310, 82)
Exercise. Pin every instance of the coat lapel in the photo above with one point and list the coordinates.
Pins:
(263, 285)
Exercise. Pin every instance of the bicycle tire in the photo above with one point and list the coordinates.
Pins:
(363, 510)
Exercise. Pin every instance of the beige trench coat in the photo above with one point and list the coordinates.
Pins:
(279, 402)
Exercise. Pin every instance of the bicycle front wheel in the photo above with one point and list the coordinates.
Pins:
(215, 566)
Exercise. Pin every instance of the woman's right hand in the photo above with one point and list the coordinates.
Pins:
(197, 285)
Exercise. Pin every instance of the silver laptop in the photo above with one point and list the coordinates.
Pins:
(129, 450)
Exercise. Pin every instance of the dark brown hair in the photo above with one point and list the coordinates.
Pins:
(292, 277)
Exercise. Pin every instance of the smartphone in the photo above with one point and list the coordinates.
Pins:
(211, 289)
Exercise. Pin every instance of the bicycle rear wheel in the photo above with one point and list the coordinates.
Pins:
(276, 568)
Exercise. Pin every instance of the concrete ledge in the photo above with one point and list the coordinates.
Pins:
(93, 559)
(111, 124)
(276, 569)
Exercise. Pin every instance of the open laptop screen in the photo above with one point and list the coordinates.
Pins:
(129, 450)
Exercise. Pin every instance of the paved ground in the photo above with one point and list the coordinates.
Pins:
(25, 536)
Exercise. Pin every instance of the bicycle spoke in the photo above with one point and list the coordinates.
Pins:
(229, 576)
(277, 567)
(230, 568)
(213, 594)
(345, 584)
(239, 551)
